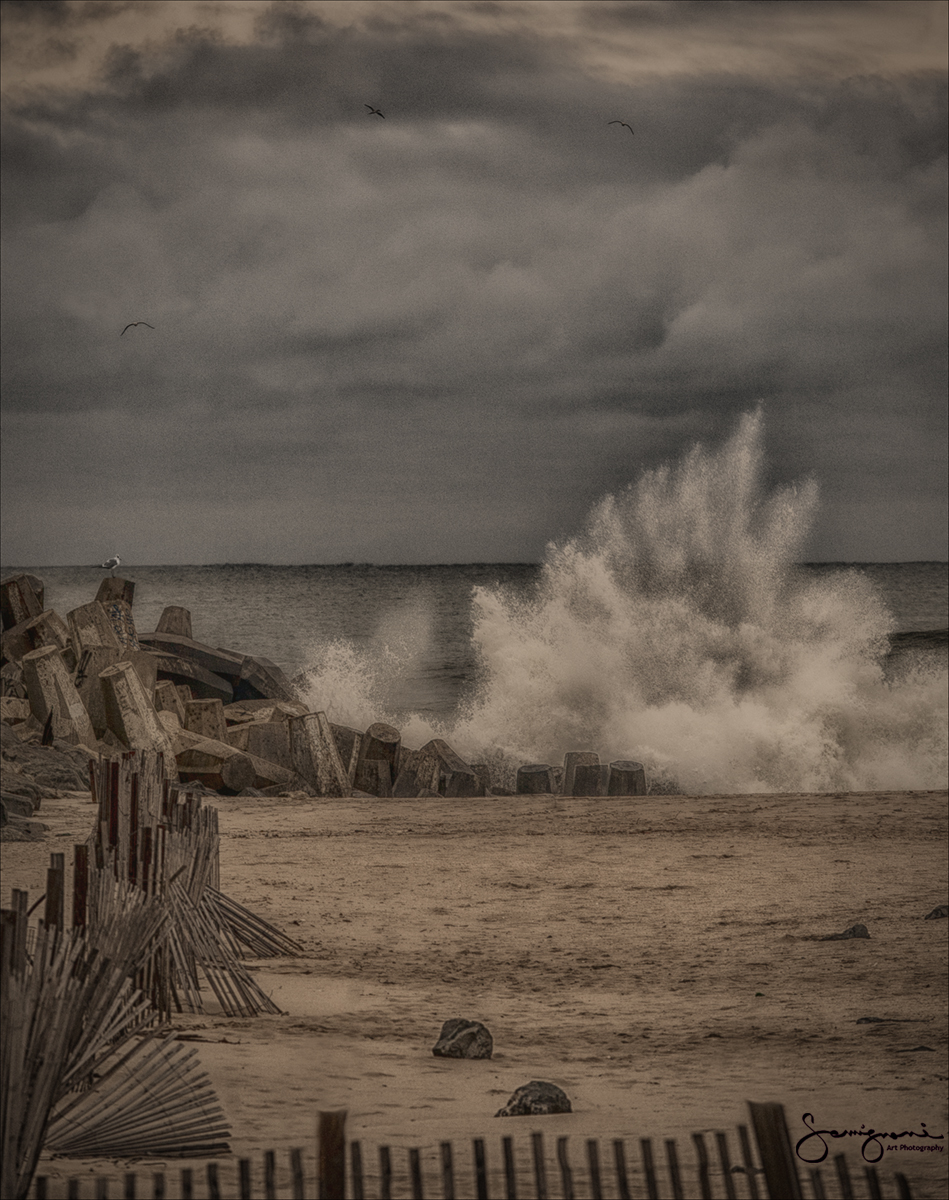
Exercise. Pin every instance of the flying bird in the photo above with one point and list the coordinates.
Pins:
(132, 324)
(624, 124)
(375, 112)
(111, 563)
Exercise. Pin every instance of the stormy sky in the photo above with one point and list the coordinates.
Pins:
(440, 335)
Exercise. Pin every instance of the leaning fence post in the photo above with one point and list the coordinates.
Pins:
(566, 1174)
(843, 1177)
(748, 1160)
(510, 1171)
(672, 1159)
(448, 1173)
(649, 1169)
(619, 1159)
(270, 1175)
(593, 1162)
(331, 1155)
(774, 1147)
(481, 1169)
(55, 887)
(355, 1162)
(540, 1172)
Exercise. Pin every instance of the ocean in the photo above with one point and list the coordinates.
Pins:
(676, 629)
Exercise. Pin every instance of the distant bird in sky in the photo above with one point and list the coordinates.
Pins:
(623, 123)
(132, 324)
(111, 563)
(375, 112)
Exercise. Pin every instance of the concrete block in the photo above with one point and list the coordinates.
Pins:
(269, 740)
(263, 710)
(14, 710)
(626, 779)
(19, 600)
(112, 588)
(206, 718)
(315, 757)
(573, 759)
(51, 691)
(48, 629)
(201, 684)
(534, 779)
(119, 613)
(440, 769)
(168, 700)
(348, 743)
(205, 760)
(175, 620)
(88, 680)
(590, 779)
(223, 663)
(259, 677)
(130, 713)
(90, 627)
(383, 743)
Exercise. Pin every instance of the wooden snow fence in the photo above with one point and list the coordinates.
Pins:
(164, 841)
(517, 1169)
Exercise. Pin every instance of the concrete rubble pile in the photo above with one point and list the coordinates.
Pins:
(232, 722)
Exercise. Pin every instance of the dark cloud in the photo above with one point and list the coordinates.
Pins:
(489, 302)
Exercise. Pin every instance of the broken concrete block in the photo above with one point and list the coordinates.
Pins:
(130, 714)
(175, 620)
(573, 759)
(261, 678)
(348, 743)
(119, 613)
(381, 742)
(111, 589)
(315, 757)
(52, 692)
(19, 601)
(48, 629)
(90, 627)
(534, 779)
(206, 718)
(167, 699)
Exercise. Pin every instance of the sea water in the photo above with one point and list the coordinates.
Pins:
(676, 628)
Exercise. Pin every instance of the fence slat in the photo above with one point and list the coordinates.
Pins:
(130, 1186)
(843, 1177)
(187, 1184)
(619, 1161)
(385, 1173)
(817, 1184)
(510, 1172)
(243, 1169)
(331, 1149)
(774, 1147)
(296, 1170)
(270, 1175)
(566, 1174)
(355, 1162)
(102, 1188)
(649, 1168)
(448, 1171)
(748, 1159)
(481, 1169)
(705, 1182)
(415, 1171)
(675, 1175)
(873, 1183)
(540, 1169)
(593, 1162)
(724, 1159)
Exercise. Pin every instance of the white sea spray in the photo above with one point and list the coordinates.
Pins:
(676, 630)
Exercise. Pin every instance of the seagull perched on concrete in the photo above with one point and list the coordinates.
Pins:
(111, 563)
(375, 112)
(624, 124)
(132, 324)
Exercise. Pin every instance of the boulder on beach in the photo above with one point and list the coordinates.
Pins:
(855, 931)
(536, 1099)
(463, 1039)
(941, 910)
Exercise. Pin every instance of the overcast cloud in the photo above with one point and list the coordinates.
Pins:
(438, 337)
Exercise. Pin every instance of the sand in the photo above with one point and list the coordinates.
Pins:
(657, 958)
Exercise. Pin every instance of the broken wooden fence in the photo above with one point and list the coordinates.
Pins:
(517, 1169)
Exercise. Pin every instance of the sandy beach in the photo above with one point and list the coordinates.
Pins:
(658, 958)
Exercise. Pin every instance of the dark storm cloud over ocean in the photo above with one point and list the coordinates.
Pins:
(442, 335)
